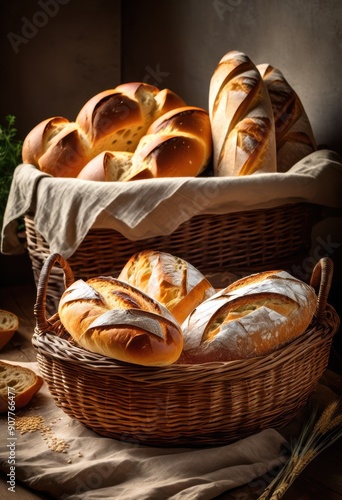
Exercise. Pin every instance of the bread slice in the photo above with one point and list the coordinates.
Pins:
(9, 324)
(19, 381)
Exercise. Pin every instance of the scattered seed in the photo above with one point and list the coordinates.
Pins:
(36, 423)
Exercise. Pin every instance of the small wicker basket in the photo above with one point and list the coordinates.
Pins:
(182, 405)
(233, 245)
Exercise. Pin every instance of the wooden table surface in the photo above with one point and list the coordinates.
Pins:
(321, 480)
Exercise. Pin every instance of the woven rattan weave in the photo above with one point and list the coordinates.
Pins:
(182, 405)
(232, 245)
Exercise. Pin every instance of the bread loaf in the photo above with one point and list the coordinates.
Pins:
(170, 280)
(294, 134)
(57, 147)
(9, 324)
(177, 144)
(114, 119)
(241, 117)
(22, 382)
(253, 317)
(109, 317)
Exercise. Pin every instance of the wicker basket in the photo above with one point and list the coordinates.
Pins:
(182, 405)
(232, 244)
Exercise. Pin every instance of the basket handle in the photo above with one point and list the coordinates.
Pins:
(42, 286)
(321, 280)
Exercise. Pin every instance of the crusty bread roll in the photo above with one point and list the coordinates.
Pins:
(241, 117)
(109, 317)
(21, 382)
(114, 119)
(39, 139)
(170, 280)
(117, 119)
(294, 135)
(252, 317)
(114, 166)
(177, 144)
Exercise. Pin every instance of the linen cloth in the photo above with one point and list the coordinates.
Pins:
(65, 209)
(96, 467)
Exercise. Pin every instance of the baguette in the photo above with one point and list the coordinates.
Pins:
(241, 117)
(294, 135)
(22, 382)
(252, 317)
(109, 317)
(170, 280)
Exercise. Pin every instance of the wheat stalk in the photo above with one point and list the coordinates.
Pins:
(316, 436)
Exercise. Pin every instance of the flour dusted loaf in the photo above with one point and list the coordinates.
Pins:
(294, 135)
(241, 117)
(252, 317)
(22, 382)
(170, 280)
(109, 317)
(114, 119)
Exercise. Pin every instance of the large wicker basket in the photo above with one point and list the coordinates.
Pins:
(182, 405)
(224, 247)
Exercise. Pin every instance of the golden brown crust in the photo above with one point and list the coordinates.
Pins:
(109, 317)
(294, 135)
(24, 383)
(167, 100)
(241, 116)
(170, 280)
(252, 317)
(113, 120)
(116, 119)
(67, 153)
(178, 144)
(37, 140)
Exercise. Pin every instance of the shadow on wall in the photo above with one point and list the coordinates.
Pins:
(188, 38)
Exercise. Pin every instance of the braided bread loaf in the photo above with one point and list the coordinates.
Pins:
(177, 144)
(114, 119)
(241, 117)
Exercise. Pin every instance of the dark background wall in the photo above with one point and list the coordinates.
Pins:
(185, 39)
(56, 54)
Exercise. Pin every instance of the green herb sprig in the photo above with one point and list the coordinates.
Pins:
(10, 157)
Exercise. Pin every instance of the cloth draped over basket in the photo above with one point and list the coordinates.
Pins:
(65, 209)
(97, 467)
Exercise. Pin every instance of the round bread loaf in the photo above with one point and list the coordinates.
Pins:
(170, 280)
(253, 317)
(109, 317)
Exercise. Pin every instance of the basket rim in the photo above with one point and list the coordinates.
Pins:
(49, 344)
